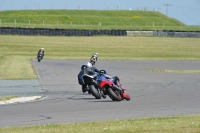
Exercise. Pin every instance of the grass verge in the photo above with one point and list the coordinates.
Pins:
(16, 67)
(107, 47)
(7, 98)
(177, 124)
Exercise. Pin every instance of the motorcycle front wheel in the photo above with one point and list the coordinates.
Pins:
(114, 94)
(94, 92)
(39, 59)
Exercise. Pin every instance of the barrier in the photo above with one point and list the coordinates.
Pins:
(195, 34)
(140, 33)
(59, 32)
(70, 32)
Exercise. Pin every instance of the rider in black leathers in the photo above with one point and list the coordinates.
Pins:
(41, 51)
(90, 66)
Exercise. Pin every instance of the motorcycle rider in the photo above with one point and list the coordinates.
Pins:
(107, 76)
(41, 51)
(90, 65)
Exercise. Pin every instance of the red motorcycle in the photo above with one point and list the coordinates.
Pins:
(111, 86)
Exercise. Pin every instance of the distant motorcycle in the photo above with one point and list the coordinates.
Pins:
(39, 57)
(88, 77)
(112, 88)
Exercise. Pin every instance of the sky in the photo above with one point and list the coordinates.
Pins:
(186, 11)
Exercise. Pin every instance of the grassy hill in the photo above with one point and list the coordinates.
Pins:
(90, 19)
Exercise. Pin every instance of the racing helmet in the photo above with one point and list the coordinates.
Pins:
(94, 58)
(101, 72)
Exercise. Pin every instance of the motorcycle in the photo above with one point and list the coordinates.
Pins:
(88, 77)
(112, 88)
(39, 57)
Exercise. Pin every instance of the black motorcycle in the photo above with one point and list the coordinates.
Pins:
(87, 76)
(39, 57)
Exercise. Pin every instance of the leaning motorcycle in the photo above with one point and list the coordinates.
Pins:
(39, 57)
(88, 77)
(113, 88)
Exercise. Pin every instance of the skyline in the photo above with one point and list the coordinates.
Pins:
(186, 12)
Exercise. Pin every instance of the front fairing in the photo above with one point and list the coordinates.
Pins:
(102, 81)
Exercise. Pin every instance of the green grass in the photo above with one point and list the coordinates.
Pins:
(7, 98)
(17, 51)
(186, 124)
(89, 19)
(107, 47)
(16, 67)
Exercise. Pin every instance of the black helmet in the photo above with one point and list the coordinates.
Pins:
(94, 58)
(101, 72)
(83, 67)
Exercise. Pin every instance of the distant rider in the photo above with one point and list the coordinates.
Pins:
(41, 51)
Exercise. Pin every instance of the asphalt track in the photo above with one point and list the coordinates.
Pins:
(153, 94)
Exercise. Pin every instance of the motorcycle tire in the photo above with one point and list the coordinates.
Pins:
(94, 92)
(102, 94)
(114, 95)
(39, 59)
(128, 98)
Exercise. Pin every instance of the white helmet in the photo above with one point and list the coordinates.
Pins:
(94, 58)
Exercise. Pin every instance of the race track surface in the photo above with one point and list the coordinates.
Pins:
(153, 94)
